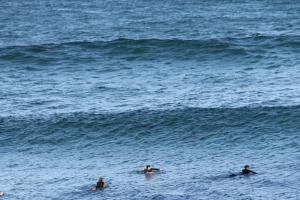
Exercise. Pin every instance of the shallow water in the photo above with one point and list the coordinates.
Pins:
(198, 89)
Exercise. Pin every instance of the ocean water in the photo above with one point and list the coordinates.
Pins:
(103, 88)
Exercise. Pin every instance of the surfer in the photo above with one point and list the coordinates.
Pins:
(149, 169)
(100, 185)
(247, 170)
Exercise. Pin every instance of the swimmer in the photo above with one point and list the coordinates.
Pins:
(247, 171)
(149, 169)
(100, 185)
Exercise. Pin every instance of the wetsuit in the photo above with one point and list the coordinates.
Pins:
(100, 185)
(244, 172)
(150, 170)
(247, 171)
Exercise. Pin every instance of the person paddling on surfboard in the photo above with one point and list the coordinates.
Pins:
(100, 185)
(149, 169)
(247, 170)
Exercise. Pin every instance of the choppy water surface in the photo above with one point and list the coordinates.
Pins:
(198, 88)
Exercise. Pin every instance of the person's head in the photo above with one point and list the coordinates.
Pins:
(246, 167)
(100, 179)
(148, 166)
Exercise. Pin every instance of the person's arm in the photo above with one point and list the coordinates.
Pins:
(155, 169)
(252, 172)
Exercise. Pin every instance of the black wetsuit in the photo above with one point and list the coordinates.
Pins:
(244, 172)
(247, 171)
(100, 185)
(150, 170)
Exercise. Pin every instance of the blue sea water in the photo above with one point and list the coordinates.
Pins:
(198, 88)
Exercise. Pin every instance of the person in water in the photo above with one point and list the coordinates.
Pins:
(149, 169)
(247, 170)
(100, 185)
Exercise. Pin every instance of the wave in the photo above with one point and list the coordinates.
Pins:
(147, 125)
(146, 49)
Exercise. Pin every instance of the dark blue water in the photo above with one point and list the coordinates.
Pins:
(102, 88)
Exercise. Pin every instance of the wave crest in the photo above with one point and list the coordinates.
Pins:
(146, 49)
(146, 124)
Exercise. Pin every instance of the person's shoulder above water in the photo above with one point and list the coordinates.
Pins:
(149, 169)
(100, 185)
(247, 170)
